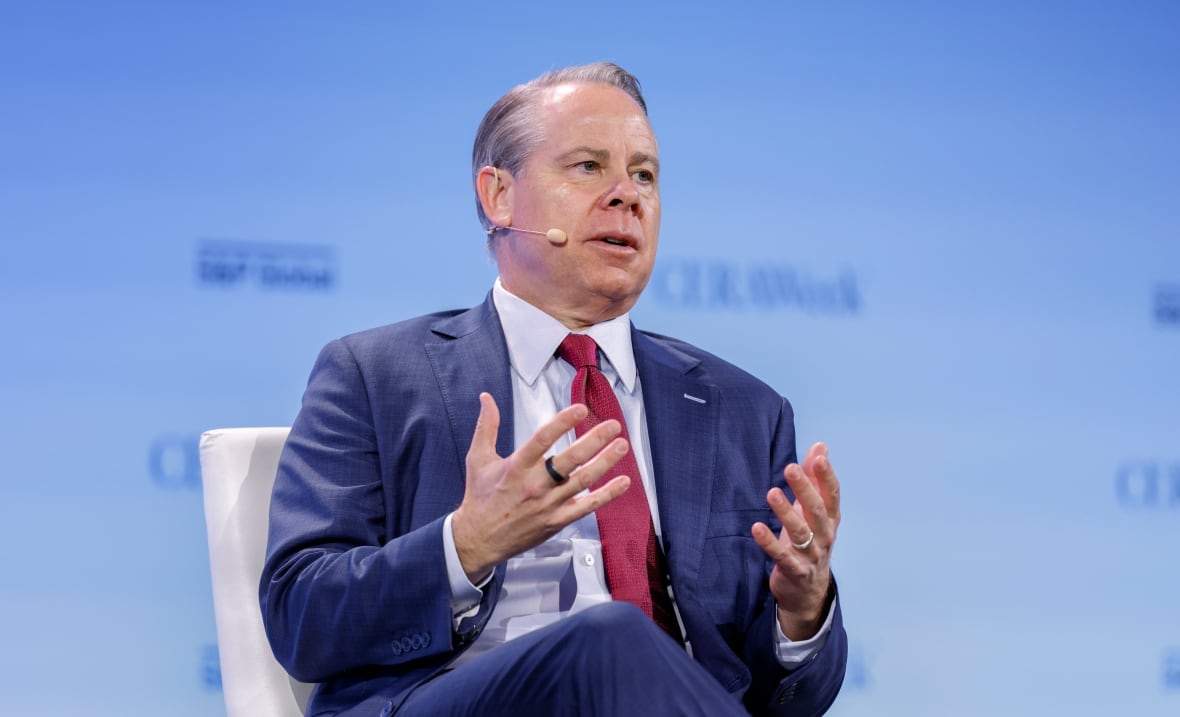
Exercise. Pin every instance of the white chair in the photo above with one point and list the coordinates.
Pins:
(238, 468)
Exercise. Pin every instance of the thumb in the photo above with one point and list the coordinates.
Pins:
(487, 428)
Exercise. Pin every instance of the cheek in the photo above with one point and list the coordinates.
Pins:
(652, 209)
(651, 221)
(559, 197)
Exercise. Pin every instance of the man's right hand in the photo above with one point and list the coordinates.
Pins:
(512, 504)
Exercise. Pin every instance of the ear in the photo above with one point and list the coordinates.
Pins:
(494, 188)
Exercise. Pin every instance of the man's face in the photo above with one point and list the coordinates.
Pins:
(594, 176)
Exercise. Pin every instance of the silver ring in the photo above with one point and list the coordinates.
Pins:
(559, 478)
(806, 543)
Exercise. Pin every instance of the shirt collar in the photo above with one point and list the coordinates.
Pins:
(533, 337)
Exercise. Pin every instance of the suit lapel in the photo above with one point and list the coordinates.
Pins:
(682, 410)
(468, 356)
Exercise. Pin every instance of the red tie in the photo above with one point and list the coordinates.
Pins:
(632, 560)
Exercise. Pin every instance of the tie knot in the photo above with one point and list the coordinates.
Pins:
(578, 350)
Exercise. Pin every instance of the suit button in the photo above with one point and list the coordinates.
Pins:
(397, 649)
(407, 644)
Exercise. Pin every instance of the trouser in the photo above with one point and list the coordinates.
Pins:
(609, 660)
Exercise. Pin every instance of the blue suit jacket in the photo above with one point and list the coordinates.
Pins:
(354, 591)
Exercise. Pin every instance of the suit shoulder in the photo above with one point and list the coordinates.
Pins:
(716, 368)
(399, 331)
(384, 348)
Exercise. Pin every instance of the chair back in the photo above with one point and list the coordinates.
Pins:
(238, 467)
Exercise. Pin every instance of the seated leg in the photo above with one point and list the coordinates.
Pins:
(608, 660)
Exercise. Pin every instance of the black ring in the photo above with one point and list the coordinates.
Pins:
(557, 477)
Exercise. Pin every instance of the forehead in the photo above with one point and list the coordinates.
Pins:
(580, 113)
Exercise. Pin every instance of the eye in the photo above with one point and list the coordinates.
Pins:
(588, 165)
(645, 176)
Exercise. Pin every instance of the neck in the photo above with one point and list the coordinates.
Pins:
(574, 318)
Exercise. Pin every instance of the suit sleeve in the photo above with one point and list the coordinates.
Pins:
(340, 588)
(811, 688)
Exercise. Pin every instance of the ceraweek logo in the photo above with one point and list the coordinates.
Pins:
(1148, 484)
(209, 668)
(232, 263)
(174, 462)
(1171, 671)
(856, 673)
(697, 284)
(1167, 305)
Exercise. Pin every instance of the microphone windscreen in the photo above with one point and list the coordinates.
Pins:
(556, 237)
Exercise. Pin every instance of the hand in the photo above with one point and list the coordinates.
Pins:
(801, 578)
(512, 504)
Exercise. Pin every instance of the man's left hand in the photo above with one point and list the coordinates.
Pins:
(802, 551)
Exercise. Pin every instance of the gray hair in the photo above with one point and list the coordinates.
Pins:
(509, 133)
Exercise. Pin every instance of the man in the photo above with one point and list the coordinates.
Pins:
(449, 525)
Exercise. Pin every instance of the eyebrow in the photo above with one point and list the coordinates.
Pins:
(603, 155)
(645, 158)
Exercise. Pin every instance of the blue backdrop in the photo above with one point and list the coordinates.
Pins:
(958, 221)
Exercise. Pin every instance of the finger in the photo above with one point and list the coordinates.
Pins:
(487, 426)
(817, 451)
(829, 486)
(588, 471)
(795, 527)
(583, 505)
(766, 539)
(587, 446)
(789, 560)
(818, 468)
(534, 449)
(810, 500)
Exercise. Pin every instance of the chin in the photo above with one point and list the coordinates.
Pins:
(621, 284)
(619, 299)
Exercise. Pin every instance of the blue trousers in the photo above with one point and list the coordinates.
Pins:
(609, 660)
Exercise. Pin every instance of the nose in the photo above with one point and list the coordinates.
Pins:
(623, 193)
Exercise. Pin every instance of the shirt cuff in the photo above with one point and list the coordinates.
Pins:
(465, 597)
(792, 653)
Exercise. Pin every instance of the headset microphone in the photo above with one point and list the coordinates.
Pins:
(555, 236)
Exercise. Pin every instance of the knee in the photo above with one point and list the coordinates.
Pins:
(620, 634)
(613, 618)
(617, 644)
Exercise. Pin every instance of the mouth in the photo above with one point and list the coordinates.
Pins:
(624, 241)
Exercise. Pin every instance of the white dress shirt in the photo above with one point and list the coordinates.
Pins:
(564, 574)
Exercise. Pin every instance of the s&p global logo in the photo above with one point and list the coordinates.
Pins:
(700, 284)
(1167, 305)
(234, 263)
